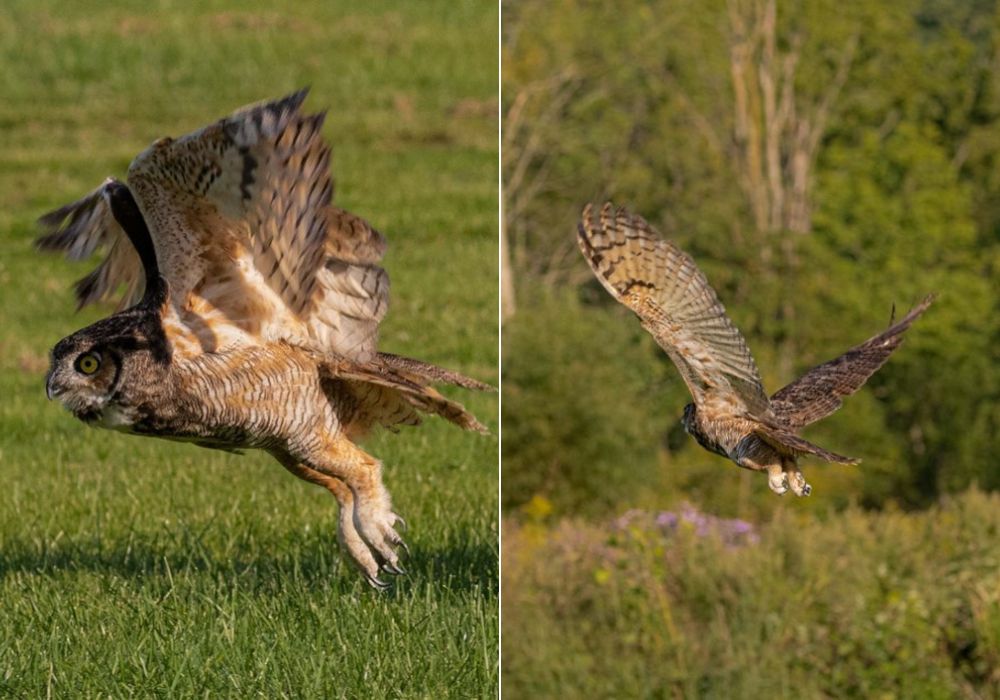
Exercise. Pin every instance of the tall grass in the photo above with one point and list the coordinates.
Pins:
(141, 567)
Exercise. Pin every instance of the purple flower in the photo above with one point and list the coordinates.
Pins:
(666, 518)
(732, 532)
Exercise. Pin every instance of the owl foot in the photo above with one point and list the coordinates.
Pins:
(778, 482)
(375, 525)
(798, 484)
(359, 553)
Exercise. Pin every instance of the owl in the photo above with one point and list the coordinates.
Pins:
(731, 415)
(249, 316)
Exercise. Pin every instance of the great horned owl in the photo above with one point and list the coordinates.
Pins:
(731, 414)
(256, 306)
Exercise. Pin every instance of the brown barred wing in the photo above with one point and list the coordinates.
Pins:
(84, 228)
(244, 207)
(390, 391)
(821, 391)
(245, 233)
(676, 304)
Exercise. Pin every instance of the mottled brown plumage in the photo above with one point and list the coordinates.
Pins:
(253, 310)
(731, 414)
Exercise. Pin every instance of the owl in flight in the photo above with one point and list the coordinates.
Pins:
(250, 314)
(731, 414)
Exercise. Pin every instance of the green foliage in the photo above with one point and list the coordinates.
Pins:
(903, 202)
(582, 404)
(148, 568)
(856, 605)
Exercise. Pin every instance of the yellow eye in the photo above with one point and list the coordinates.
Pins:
(88, 363)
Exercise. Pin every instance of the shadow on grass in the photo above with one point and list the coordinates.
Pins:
(261, 567)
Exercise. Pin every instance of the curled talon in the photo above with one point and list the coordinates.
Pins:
(394, 569)
(399, 521)
(377, 583)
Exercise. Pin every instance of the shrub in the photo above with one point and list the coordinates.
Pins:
(864, 604)
(579, 425)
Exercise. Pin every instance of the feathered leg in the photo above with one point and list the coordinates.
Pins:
(347, 534)
(372, 516)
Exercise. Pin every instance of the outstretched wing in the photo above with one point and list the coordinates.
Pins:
(246, 235)
(821, 391)
(676, 304)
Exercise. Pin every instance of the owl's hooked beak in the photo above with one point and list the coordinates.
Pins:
(52, 390)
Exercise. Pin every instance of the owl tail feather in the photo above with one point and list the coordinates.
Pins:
(790, 443)
(402, 390)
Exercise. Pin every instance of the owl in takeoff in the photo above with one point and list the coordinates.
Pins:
(250, 314)
(731, 414)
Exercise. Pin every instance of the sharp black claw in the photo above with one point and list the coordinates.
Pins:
(405, 547)
(394, 569)
(377, 583)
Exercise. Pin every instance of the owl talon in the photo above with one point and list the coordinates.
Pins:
(377, 583)
(381, 539)
(394, 569)
(399, 521)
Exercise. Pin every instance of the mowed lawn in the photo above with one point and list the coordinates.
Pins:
(142, 567)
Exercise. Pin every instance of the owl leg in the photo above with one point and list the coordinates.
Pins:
(754, 454)
(347, 534)
(373, 517)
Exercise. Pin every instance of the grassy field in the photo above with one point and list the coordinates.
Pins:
(671, 604)
(141, 567)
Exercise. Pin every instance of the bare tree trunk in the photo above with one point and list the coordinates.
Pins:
(528, 125)
(507, 302)
(775, 135)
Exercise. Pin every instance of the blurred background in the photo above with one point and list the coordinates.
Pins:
(142, 567)
(823, 163)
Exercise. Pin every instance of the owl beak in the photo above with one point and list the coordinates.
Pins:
(52, 390)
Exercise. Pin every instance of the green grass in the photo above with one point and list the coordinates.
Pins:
(141, 567)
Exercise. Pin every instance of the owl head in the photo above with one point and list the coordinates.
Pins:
(89, 369)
